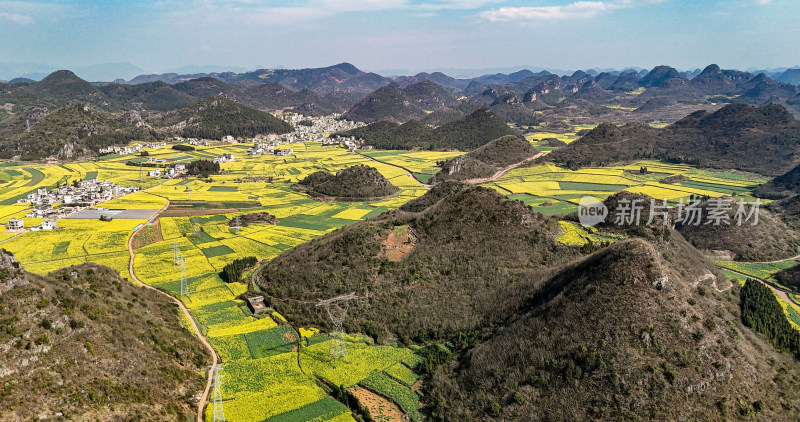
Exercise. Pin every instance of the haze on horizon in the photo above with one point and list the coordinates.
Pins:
(403, 35)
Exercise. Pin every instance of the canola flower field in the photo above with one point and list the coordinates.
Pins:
(272, 369)
(269, 374)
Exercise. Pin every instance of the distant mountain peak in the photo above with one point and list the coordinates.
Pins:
(347, 68)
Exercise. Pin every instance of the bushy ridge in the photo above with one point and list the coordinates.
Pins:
(477, 254)
(218, 116)
(486, 160)
(73, 131)
(764, 140)
(471, 132)
(356, 182)
(621, 335)
(770, 239)
(388, 104)
(89, 345)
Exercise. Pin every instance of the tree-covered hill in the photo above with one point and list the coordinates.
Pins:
(216, 117)
(85, 344)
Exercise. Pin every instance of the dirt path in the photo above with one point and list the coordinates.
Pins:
(502, 172)
(204, 398)
(781, 293)
(793, 258)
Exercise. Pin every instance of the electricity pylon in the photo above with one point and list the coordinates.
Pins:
(174, 253)
(184, 286)
(237, 224)
(337, 311)
(219, 413)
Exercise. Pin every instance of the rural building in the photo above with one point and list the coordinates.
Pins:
(257, 304)
(49, 225)
(15, 224)
(284, 152)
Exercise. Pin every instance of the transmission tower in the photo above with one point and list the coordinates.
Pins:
(189, 189)
(184, 287)
(195, 226)
(174, 253)
(337, 311)
(141, 175)
(219, 413)
(237, 224)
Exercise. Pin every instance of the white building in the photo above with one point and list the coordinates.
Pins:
(49, 225)
(15, 224)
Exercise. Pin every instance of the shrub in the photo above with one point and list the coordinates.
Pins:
(232, 272)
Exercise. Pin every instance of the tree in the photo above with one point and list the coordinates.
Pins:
(144, 154)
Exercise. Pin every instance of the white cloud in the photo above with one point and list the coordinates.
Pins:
(254, 11)
(16, 18)
(577, 10)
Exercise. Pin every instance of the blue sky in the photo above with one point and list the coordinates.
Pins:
(403, 34)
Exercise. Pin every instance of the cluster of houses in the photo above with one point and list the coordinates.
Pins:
(224, 158)
(169, 172)
(268, 145)
(75, 197)
(114, 149)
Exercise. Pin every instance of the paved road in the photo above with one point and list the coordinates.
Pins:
(210, 377)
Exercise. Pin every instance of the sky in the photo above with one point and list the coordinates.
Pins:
(402, 35)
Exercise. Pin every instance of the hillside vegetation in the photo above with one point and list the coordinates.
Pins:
(487, 160)
(218, 116)
(471, 132)
(477, 255)
(622, 335)
(356, 182)
(88, 345)
(764, 140)
(73, 131)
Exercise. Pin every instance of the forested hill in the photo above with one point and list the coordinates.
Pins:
(218, 116)
(764, 140)
(85, 344)
(465, 134)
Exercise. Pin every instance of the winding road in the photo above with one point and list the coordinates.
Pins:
(214, 360)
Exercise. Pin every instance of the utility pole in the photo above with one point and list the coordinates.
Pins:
(337, 311)
(174, 253)
(189, 189)
(219, 413)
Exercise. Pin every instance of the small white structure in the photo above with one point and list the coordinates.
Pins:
(154, 173)
(284, 152)
(15, 224)
(49, 225)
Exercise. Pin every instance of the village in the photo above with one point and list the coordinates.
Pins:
(74, 198)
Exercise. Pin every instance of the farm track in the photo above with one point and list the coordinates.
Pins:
(502, 172)
(209, 378)
(780, 292)
(409, 172)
